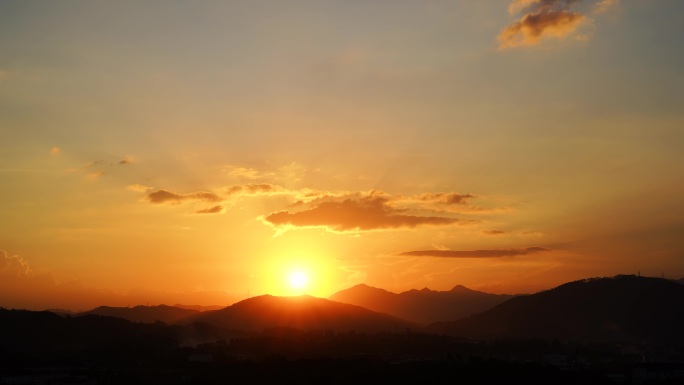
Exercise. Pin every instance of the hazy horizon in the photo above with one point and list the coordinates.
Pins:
(123, 302)
(200, 153)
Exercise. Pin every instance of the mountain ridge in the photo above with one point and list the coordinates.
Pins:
(300, 312)
(143, 314)
(424, 305)
(620, 308)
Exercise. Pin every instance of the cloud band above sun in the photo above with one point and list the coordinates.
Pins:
(341, 211)
(374, 210)
(365, 213)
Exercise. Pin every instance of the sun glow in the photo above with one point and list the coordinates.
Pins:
(298, 279)
(294, 264)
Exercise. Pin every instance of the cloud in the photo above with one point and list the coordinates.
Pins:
(163, 196)
(95, 170)
(444, 202)
(337, 210)
(256, 189)
(289, 173)
(226, 193)
(211, 210)
(13, 265)
(605, 5)
(445, 198)
(267, 189)
(518, 5)
(370, 212)
(494, 232)
(531, 234)
(541, 19)
(293, 172)
(243, 172)
(498, 253)
(138, 188)
(93, 176)
(55, 150)
(550, 18)
(99, 162)
(126, 160)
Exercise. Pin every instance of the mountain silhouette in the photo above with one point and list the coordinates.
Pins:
(62, 312)
(29, 335)
(424, 306)
(621, 308)
(145, 314)
(199, 308)
(301, 312)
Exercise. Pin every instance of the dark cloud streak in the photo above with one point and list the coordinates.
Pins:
(446, 198)
(210, 210)
(253, 189)
(473, 253)
(163, 196)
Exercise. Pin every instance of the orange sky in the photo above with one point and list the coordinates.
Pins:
(168, 152)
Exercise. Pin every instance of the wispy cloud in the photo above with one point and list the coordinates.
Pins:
(530, 233)
(547, 19)
(445, 202)
(93, 171)
(163, 196)
(126, 160)
(494, 232)
(445, 198)
(23, 288)
(211, 210)
(256, 189)
(100, 162)
(292, 172)
(93, 176)
(496, 253)
(243, 172)
(231, 192)
(88, 165)
(13, 265)
(605, 5)
(138, 188)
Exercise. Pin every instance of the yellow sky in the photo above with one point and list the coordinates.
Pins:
(168, 152)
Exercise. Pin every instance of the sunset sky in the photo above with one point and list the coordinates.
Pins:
(200, 152)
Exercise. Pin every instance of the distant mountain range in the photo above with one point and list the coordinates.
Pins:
(622, 308)
(200, 307)
(145, 314)
(303, 313)
(424, 306)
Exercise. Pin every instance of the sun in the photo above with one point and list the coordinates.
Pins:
(298, 279)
